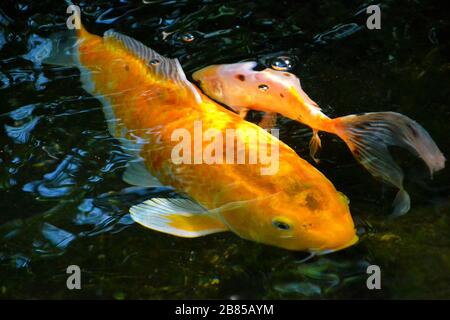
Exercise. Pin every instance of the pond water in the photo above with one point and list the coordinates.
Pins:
(63, 202)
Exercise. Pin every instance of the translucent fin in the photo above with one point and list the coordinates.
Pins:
(401, 204)
(307, 258)
(242, 112)
(62, 47)
(368, 136)
(178, 217)
(137, 174)
(314, 145)
(61, 50)
(162, 67)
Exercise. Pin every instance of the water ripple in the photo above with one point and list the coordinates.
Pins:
(21, 134)
(57, 237)
(58, 183)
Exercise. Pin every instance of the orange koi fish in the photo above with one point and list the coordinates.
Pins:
(146, 98)
(367, 135)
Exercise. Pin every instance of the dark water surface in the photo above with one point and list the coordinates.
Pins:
(62, 200)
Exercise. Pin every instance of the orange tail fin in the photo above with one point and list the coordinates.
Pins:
(368, 137)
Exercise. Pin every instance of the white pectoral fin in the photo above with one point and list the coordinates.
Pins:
(137, 174)
(176, 216)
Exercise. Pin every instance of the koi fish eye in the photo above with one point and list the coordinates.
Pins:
(281, 225)
(263, 87)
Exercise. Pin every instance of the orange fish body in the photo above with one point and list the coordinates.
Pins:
(146, 98)
(367, 135)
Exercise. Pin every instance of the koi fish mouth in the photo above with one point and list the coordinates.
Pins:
(321, 252)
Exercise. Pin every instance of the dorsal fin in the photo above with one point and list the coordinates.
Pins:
(162, 67)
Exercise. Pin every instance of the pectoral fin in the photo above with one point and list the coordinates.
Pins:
(137, 174)
(314, 145)
(243, 112)
(178, 217)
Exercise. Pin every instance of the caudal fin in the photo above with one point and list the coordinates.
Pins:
(59, 49)
(368, 137)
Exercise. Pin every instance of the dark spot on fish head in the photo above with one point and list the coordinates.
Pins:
(286, 74)
(293, 187)
(240, 77)
(307, 226)
(312, 202)
(127, 68)
(281, 95)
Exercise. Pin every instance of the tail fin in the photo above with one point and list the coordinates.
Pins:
(368, 136)
(59, 49)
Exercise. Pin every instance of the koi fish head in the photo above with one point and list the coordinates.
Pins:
(312, 220)
(238, 85)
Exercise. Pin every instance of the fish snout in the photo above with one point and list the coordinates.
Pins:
(335, 247)
(335, 235)
(339, 232)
